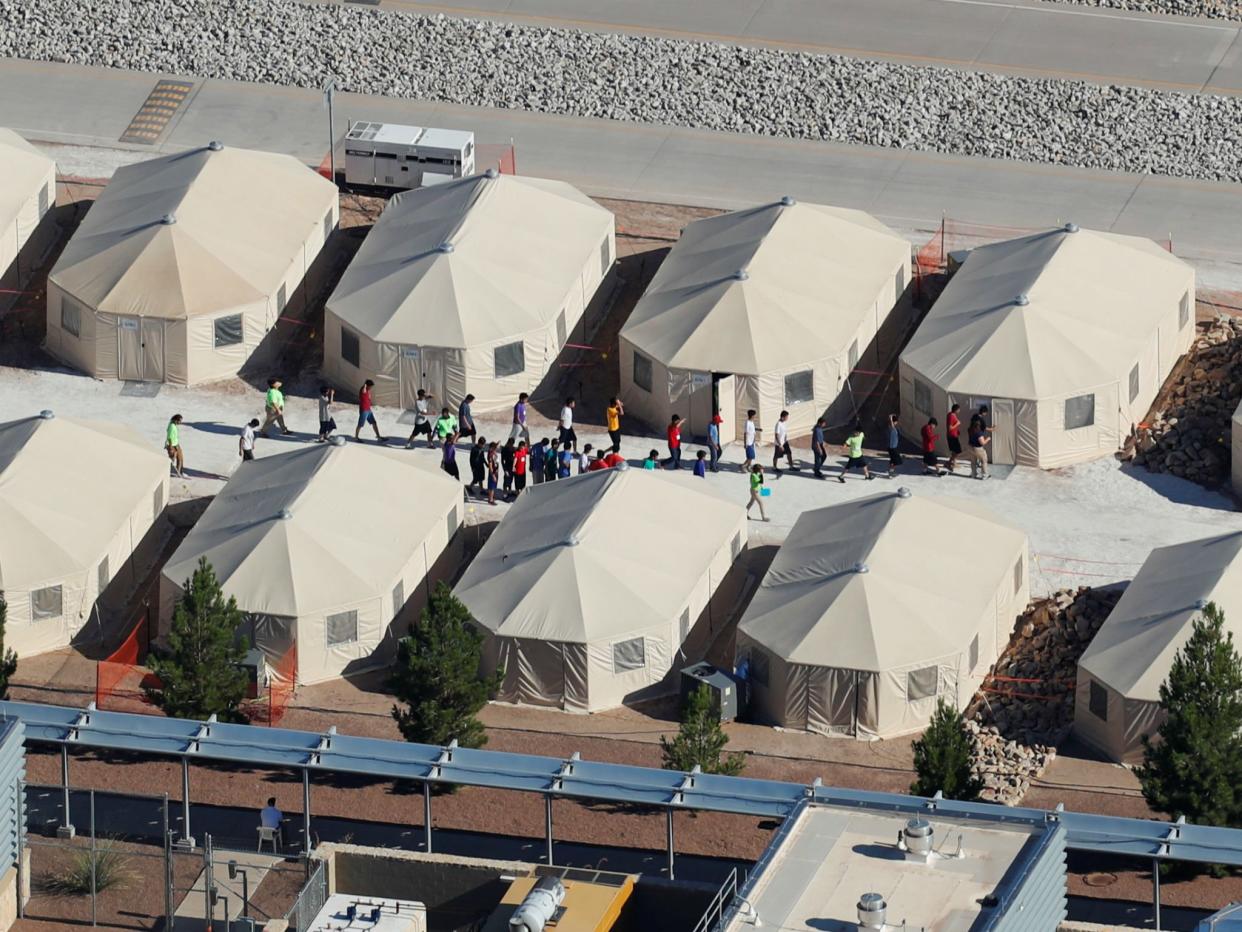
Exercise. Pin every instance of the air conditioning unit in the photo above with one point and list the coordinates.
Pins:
(724, 689)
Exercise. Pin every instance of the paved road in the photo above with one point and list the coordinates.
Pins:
(911, 190)
(1018, 36)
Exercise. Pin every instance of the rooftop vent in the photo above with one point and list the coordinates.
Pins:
(215, 145)
(903, 492)
(445, 247)
(861, 567)
(284, 514)
(47, 414)
(1022, 300)
(492, 173)
(168, 219)
(1071, 228)
(741, 275)
(1200, 604)
(872, 911)
(917, 837)
(787, 201)
(539, 907)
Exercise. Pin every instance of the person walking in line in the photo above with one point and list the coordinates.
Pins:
(930, 436)
(700, 464)
(854, 455)
(613, 460)
(953, 433)
(538, 453)
(465, 420)
(978, 439)
(714, 449)
(566, 424)
(493, 472)
(613, 414)
(782, 445)
(551, 463)
(756, 491)
(506, 465)
(172, 446)
(521, 457)
(365, 414)
(448, 459)
(674, 442)
(445, 424)
(819, 446)
(652, 460)
(478, 466)
(894, 446)
(565, 462)
(519, 430)
(584, 459)
(749, 436)
(422, 421)
(274, 406)
(598, 462)
(245, 443)
(327, 395)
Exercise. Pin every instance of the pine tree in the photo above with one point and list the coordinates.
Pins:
(942, 758)
(700, 740)
(437, 676)
(202, 673)
(1195, 769)
(8, 658)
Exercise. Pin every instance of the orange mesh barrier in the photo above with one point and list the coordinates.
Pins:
(503, 158)
(282, 682)
(120, 677)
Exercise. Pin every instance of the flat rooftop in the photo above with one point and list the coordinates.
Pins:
(832, 856)
(395, 915)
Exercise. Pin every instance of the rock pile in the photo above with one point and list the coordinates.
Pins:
(1026, 709)
(1190, 435)
(1213, 9)
(647, 79)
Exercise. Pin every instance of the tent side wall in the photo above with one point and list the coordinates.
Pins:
(1235, 450)
(27, 238)
(1117, 732)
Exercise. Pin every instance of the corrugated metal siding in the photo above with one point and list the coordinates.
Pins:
(1038, 903)
(12, 776)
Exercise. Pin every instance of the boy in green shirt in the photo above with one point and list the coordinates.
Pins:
(172, 446)
(854, 452)
(756, 491)
(445, 424)
(274, 407)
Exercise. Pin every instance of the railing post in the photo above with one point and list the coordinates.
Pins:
(1155, 889)
(306, 816)
(427, 814)
(94, 862)
(547, 821)
(66, 826)
(185, 803)
(670, 843)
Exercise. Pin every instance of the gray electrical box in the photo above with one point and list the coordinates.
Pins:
(723, 687)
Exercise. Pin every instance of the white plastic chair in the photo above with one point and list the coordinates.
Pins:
(271, 835)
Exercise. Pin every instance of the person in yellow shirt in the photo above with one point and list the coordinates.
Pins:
(614, 411)
(274, 407)
(854, 453)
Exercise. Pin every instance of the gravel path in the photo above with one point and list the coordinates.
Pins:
(1212, 9)
(642, 79)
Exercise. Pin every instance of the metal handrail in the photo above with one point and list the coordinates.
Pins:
(718, 903)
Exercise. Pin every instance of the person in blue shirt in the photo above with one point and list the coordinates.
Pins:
(819, 447)
(894, 442)
(537, 455)
(713, 442)
(700, 464)
(565, 463)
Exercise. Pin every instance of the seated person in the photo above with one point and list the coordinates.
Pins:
(271, 817)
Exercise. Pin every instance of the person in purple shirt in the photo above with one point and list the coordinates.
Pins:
(520, 431)
(448, 461)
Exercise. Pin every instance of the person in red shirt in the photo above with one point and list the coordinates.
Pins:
(953, 430)
(674, 443)
(597, 464)
(613, 459)
(365, 414)
(930, 437)
(519, 467)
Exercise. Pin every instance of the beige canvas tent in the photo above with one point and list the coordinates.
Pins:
(185, 262)
(330, 549)
(1117, 697)
(769, 308)
(27, 193)
(1235, 452)
(76, 497)
(468, 287)
(590, 585)
(874, 609)
(1066, 335)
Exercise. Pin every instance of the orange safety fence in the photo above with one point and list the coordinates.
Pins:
(503, 158)
(282, 682)
(120, 678)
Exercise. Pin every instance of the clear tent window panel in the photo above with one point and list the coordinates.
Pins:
(1017, 576)
(685, 624)
(1183, 313)
(228, 330)
(1097, 701)
(974, 653)
(1079, 411)
(1134, 382)
(452, 522)
(70, 316)
(282, 298)
(157, 500)
(799, 387)
(735, 545)
(923, 683)
(629, 655)
(349, 347)
(102, 579)
(342, 628)
(561, 334)
(853, 355)
(642, 371)
(760, 668)
(327, 225)
(46, 603)
(922, 397)
(509, 359)
(398, 597)
(605, 256)
(44, 200)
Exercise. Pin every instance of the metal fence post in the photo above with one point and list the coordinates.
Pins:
(208, 911)
(547, 821)
(94, 863)
(670, 843)
(168, 869)
(21, 847)
(427, 814)
(185, 802)
(66, 826)
(306, 815)
(1155, 889)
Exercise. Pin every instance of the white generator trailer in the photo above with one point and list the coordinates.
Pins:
(387, 155)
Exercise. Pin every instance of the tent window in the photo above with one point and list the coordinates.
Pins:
(561, 335)
(46, 603)
(922, 684)
(901, 283)
(974, 653)
(228, 330)
(685, 624)
(452, 522)
(342, 628)
(799, 387)
(398, 598)
(642, 371)
(1017, 576)
(70, 316)
(605, 257)
(1079, 411)
(327, 225)
(922, 397)
(1134, 382)
(759, 667)
(853, 356)
(101, 582)
(1183, 313)
(510, 359)
(157, 500)
(282, 298)
(349, 347)
(44, 200)
(629, 655)
(1098, 701)
(735, 545)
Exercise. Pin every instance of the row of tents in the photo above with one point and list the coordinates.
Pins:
(587, 595)
(186, 262)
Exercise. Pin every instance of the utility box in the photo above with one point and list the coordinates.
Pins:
(388, 155)
(723, 687)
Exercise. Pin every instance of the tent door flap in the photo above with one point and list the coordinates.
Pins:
(1003, 437)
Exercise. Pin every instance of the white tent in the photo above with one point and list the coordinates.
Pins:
(1066, 335)
(473, 286)
(184, 264)
(27, 192)
(330, 549)
(873, 609)
(76, 497)
(768, 308)
(1117, 697)
(590, 585)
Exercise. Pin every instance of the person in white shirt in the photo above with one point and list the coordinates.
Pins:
(584, 459)
(245, 443)
(782, 445)
(271, 817)
(749, 431)
(566, 425)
